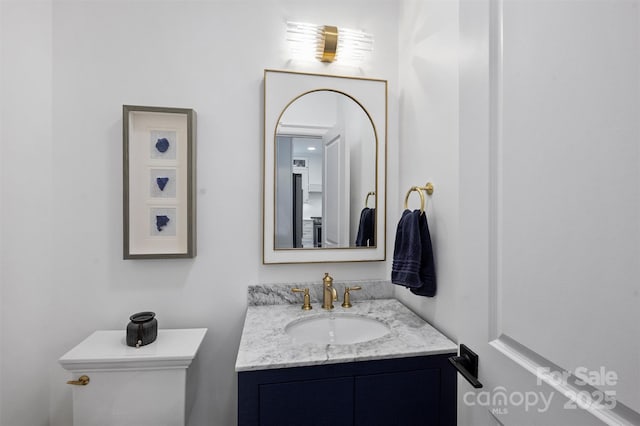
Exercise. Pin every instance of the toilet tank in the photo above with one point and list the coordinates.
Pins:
(151, 385)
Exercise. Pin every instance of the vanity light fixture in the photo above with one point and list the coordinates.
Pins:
(328, 43)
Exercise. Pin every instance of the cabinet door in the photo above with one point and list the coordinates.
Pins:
(307, 233)
(310, 403)
(409, 398)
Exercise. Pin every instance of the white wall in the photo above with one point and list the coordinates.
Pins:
(361, 139)
(428, 48)
(313, 109)
(314, 207)
(68, 67)
(1, 180)
(27, 207)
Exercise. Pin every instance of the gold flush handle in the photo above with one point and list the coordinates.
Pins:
(307, 299)
(347, 296)
(82, 381)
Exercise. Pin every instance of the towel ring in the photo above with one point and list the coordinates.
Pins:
(406, 198)
(366, 200)
(428, 188)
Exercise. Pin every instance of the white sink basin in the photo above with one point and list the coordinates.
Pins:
(336, 329)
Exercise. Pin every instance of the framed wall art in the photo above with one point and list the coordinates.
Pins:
(159, 182)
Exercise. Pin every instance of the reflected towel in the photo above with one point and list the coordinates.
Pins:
(367, 228)
(413, 264)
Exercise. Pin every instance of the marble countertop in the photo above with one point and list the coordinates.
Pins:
(266, 345)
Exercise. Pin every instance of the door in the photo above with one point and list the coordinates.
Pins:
(550, 211)
(335, 192)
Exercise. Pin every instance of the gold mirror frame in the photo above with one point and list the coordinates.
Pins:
(281, 88)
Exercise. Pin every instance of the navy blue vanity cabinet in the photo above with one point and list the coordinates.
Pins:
(412, 391)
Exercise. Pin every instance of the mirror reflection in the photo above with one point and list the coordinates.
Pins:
(325, 173)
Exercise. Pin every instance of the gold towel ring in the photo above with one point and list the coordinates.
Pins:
(366, 200)
(428, 188)
(406, 198)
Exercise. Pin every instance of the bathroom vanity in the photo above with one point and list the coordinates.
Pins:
(318, 377)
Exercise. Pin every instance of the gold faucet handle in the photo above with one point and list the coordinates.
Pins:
(307, 299)
(347, 295)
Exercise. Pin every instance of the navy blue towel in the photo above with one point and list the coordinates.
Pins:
(367, 229)
(413, 264)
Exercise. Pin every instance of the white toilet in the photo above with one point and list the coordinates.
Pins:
(117, 385)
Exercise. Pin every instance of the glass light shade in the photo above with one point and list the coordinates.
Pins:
(307, 42)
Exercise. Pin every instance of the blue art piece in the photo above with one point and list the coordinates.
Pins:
(161, 222)
(162, 182)
(162, 144)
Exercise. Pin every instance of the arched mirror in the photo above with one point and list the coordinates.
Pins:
(324, 169)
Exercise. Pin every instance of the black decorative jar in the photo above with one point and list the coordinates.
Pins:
(142, 330)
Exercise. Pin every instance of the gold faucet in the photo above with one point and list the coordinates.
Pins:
(329, 294)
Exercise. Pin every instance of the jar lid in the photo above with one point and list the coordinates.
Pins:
(142, 317)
